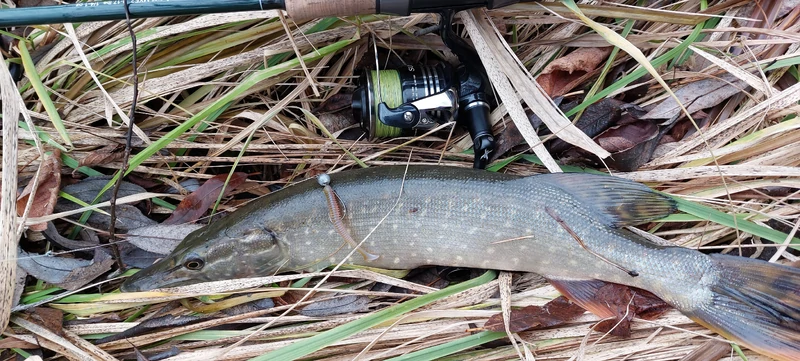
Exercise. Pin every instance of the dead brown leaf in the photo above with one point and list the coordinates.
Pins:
(46, 193)
(565, 73)
(631, 144)
(105, 155)
(335, 103)
(49, 318)
(336, 306)
(335, 122)
(553, 313)
(67, 273)
(626, 303)
(697, 95)
(160, 238)
(595, 119)
(11, 342)
(195, 205)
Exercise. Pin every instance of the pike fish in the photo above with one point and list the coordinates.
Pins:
(569, 228)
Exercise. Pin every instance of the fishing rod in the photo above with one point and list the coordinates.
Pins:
(387, 103)
(297, 9)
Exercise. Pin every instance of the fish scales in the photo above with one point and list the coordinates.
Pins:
(468, 218)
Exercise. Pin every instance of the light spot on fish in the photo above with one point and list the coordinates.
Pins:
(573, 262)
(528, 231)
(485, 263)
(302, 259)
(523, 247)
(396, 260)
(473, 230)
(459, 258)
(430, 250)
(515, 260)
(333, 260)
(465, 208)
(413, 255)
(308, 243)
(332, 231)
(552, 249)
(490, 250)
(394, 226)
(412, 243)
(483, 215)
(428, 261)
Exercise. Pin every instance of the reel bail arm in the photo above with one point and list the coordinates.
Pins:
(419, 113)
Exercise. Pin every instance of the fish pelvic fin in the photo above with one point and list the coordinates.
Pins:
(619, 202)
(583, 293)
(756, 304)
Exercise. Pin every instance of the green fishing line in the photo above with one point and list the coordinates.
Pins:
(391, 93)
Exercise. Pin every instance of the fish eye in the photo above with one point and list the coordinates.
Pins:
(194, 264)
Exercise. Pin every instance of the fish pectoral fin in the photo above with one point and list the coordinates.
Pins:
(620, 202)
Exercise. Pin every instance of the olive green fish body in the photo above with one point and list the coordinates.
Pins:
(568, 227)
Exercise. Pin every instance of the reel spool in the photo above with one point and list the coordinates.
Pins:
(387, 102)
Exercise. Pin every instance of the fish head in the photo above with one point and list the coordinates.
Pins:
(213, 254)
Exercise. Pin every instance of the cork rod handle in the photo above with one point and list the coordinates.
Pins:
(309, 9)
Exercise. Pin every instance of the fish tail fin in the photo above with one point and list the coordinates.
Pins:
(756, 304)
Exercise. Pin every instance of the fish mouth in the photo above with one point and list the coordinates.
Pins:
(151, 278)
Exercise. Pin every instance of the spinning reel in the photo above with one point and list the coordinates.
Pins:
(388, 102)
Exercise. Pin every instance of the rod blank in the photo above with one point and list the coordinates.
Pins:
(113, 10)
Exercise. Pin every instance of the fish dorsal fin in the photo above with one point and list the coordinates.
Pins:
(617, 201)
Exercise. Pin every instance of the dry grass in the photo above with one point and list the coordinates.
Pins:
(206, 74)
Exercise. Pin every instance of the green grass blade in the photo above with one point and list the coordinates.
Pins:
(728, 220)
(223, 101)
(439, 351)
(236, 92)
(43, 136)
(42, 93)
(305, 347)
(328, 134)
(617, 40)
(638, 73)
(794, 60)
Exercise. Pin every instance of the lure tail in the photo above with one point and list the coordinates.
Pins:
(756, 304)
